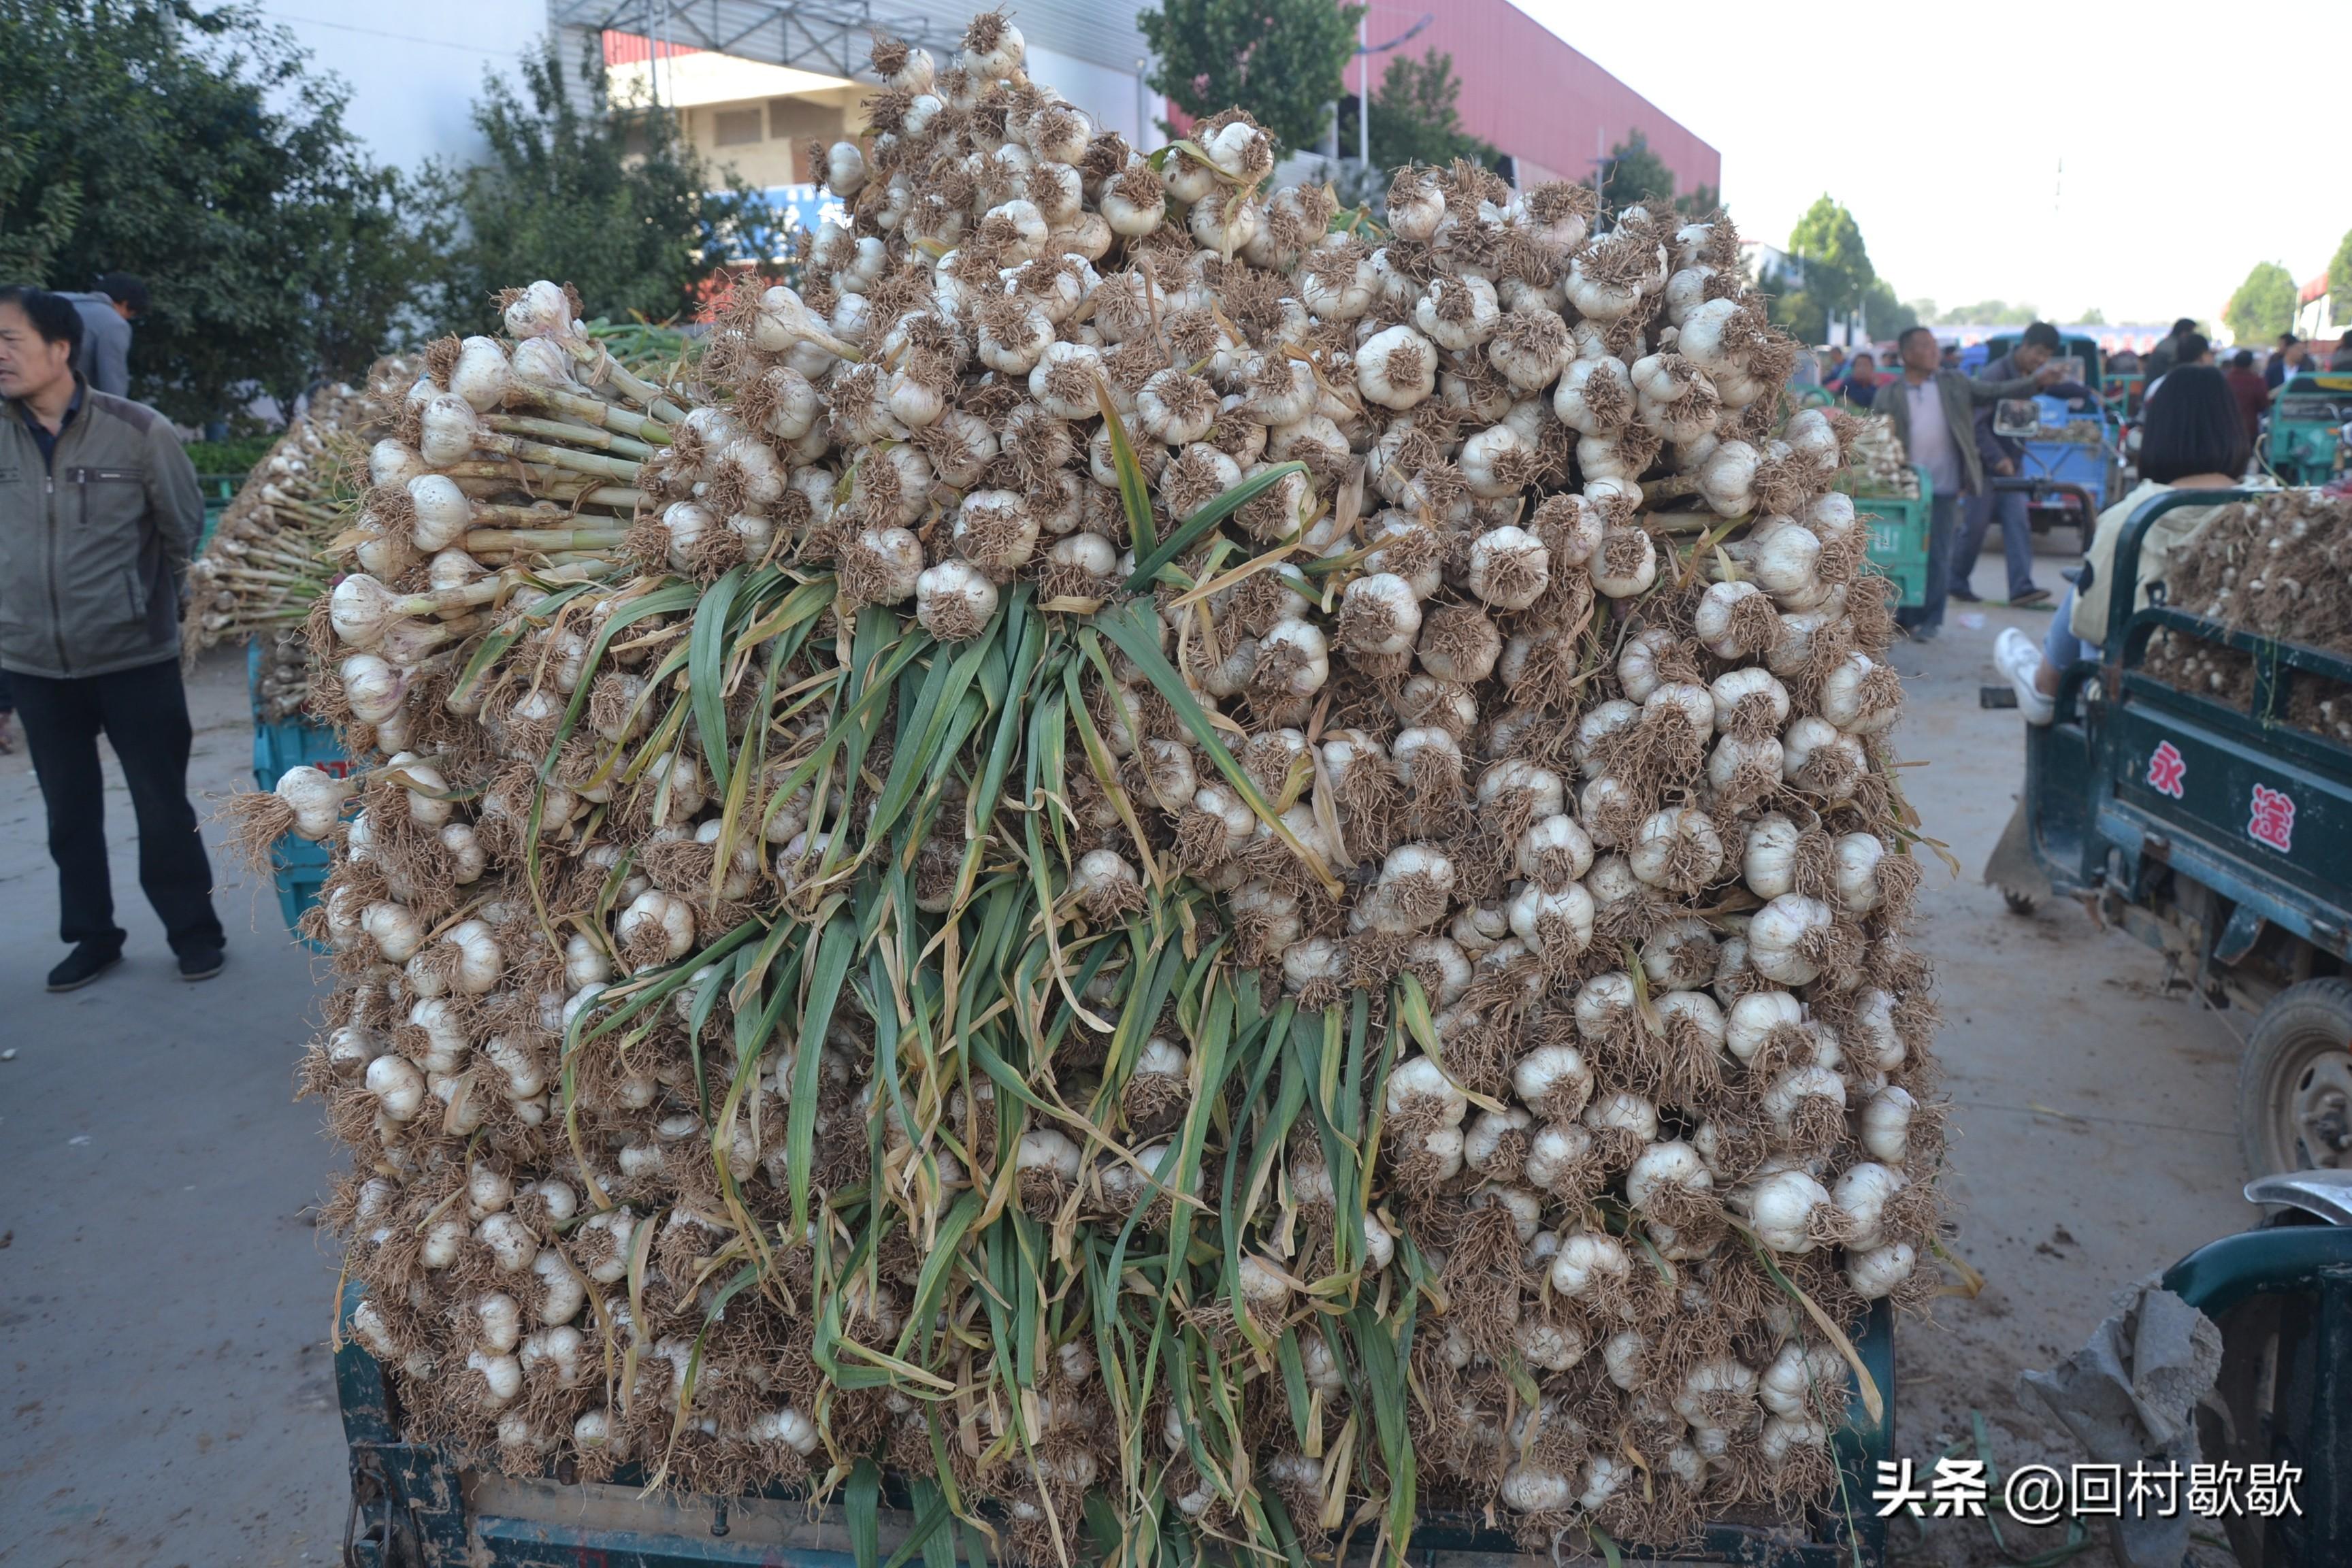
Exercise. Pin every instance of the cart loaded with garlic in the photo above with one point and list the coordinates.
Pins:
(1168, 861)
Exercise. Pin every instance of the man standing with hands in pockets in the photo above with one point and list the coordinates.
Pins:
(98, 508)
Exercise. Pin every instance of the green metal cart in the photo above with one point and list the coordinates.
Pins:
(2219, 833)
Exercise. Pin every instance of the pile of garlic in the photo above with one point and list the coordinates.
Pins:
(2279, 564)
(267, 560)
(1879, 466)
(1530, 717)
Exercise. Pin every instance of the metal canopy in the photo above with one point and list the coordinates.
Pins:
(827, 36)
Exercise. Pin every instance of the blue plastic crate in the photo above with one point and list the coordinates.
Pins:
(299, 865)
(282, 744)
(300, 869)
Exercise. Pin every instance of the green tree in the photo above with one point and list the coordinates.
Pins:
(1281, 61)
(1830, 273)
(2092, 316)
(608, 197)
(2339, 275)
(2263, 305)
(1885, 314)
(197, 148)
(1699, 201)
(1417, 116)
(1634, 174)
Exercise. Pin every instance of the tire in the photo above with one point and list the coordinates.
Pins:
(2018, 903)
(2294, 1081)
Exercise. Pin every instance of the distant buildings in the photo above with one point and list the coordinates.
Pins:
(754, 79)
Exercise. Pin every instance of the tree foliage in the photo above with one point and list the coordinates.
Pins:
(1830, 274)
(1634, 173)
(1416, 117)
(1281, 61)
(1884, 313)
(608, 197)
(197, 148)
(2263, 305)
(2339, 277)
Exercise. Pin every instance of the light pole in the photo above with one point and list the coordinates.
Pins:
(1364, 53)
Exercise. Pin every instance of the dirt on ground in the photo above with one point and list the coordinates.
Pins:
(2094, 1141)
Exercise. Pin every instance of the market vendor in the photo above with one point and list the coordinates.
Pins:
(1932, 409)
(2003, 457)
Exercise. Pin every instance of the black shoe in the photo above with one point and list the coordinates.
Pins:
(2030, 596)
(1966, 595)
(85, 963)
(202, 962)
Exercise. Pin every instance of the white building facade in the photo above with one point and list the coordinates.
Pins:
(752, 80)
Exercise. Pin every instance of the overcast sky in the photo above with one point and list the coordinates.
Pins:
(2187, 158)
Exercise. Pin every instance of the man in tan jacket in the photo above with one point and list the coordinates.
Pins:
(1934, 410)
(98, 508)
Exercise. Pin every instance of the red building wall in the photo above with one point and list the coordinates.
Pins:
(1532, 95)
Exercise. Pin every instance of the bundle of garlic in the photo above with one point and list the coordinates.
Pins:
(267, 561)
(2279, 565)
(1878, 466)
(1162, 860)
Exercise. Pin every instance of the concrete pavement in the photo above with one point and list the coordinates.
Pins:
(163, 1297)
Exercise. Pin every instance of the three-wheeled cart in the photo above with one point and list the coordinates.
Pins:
(2306, 440)
(2219, 833)
(417, 1505)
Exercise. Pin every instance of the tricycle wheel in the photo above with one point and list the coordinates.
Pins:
(2018, 903)
(2294, 1082)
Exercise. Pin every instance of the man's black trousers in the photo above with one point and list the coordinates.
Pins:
(144, 715)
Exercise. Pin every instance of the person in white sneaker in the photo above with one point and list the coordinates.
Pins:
(2194, 440)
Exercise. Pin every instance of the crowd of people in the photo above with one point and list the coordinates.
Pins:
(1944, 420)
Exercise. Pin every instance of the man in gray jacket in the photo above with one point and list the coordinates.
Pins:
(98, 509)
(107, 313)
(1934, 414)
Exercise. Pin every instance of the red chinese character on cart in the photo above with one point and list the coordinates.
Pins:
(2165, 769)
(2273, 820)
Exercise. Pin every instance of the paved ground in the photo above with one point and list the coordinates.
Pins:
(2095, 1141)
(163, 1296)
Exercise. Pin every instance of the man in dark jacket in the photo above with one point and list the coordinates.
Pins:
(1933, 411)
(2167, 353)
(98, 509)
(2285, 359)
(2001, 456)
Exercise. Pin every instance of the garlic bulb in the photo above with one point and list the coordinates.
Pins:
(1880, 1270)
(1397, 369)
(1678, 851)
(1783, 1208)
(1781, 937)
(1509, 568)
